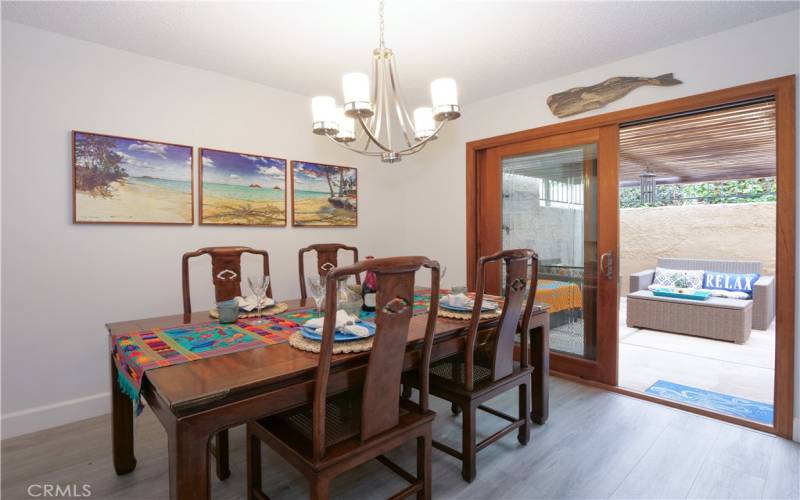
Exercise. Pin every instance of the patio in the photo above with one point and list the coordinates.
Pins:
(744, 370)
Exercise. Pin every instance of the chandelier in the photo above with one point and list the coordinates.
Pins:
(380, 112)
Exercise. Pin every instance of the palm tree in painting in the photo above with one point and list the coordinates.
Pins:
(97, 164)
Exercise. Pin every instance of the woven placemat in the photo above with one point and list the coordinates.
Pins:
(444, 313)
(297, 340)
(269, 311)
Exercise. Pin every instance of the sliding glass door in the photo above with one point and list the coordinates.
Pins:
(554, 196)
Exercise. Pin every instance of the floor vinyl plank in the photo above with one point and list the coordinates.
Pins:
(596, 444)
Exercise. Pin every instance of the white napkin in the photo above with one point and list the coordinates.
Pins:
(461, 300)
(250, 302)
(344, 323)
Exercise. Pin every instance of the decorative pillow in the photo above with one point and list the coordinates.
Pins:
(730, 281)
(729, 295)
(678, 278)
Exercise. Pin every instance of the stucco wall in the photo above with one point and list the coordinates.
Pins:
(726, 232)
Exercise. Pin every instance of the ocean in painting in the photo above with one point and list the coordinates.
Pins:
(177, 186)
(242, 192)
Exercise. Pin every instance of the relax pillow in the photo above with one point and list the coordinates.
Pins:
(732, 282)
(678, 278)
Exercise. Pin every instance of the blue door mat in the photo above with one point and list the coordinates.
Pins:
(721, 403)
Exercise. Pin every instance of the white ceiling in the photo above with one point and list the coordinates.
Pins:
(489, 47)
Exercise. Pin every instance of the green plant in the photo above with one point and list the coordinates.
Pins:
(704, 193)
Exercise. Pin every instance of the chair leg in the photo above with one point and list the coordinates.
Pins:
(468, 449)
(524, 434)
(253, 465)
(424, 465)
(320, 488)
(454, 409)
(223, 463)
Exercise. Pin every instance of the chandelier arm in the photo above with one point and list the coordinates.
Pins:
(400, 106)
(372, 137)
(413, 149)
(386, 103)
(374, 123)
(347, 147)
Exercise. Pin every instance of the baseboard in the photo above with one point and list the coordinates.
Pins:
(53, 415)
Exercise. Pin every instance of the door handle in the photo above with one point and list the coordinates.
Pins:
(607, 265)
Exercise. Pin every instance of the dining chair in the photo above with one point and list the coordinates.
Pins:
(487, 367)
(338, 431)
(327, 259)
(226, 274)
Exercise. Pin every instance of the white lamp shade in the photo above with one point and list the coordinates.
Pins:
(347, 127)
(323, 109)
(424, 125)
(356, 88)
(444, 92)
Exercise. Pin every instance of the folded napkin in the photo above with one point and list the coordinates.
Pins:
(250, 302)
(344, 323)
(461, 300)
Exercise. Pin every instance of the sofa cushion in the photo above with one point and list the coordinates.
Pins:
(732, 282)
(678, 278)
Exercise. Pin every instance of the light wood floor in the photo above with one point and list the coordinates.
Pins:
(597, 444)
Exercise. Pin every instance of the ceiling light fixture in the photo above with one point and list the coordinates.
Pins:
(379, 110)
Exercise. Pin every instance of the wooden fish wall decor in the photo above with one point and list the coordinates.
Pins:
(581, 99)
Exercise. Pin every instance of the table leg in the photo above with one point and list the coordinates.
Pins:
(540, 378)
(121, 426)
(188, 462)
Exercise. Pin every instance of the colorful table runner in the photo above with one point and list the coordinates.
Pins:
(137, 352)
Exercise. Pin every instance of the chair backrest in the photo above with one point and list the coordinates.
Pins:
(717, 266)
(226, 272)
(327, 259)
(501, 338)
(380, 408)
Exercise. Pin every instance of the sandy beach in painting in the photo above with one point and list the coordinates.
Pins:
(318, 211)
(224, 210)
(137, 200)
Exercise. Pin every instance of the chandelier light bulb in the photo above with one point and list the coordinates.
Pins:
(356, 95)
(424, 125)
(347, 127)
(323, 111)
(444, 96)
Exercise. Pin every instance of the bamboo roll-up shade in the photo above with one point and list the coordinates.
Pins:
(733, 143)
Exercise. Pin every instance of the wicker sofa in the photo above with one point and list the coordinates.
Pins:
(763, 291)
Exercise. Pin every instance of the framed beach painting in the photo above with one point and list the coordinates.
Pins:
(133, 181)
(324, 195)
(242, 189)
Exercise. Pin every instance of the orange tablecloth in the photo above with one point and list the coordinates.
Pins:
(559, 295)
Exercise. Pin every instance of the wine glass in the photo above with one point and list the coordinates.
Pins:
(316, 285)
(259, 285)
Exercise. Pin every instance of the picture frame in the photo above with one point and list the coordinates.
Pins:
(324, 195)
(125, 180)
(242, 189)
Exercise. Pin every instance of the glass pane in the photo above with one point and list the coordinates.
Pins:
(550, 205)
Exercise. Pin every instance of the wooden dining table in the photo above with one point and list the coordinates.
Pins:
(197, 399)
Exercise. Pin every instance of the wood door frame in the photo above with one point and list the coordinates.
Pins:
(782, 90)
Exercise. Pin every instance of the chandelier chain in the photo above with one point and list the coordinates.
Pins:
(380, 23)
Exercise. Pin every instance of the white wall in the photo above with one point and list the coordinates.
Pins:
(765, 49)
(62, 282)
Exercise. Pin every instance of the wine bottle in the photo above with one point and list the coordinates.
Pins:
(368, 290)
